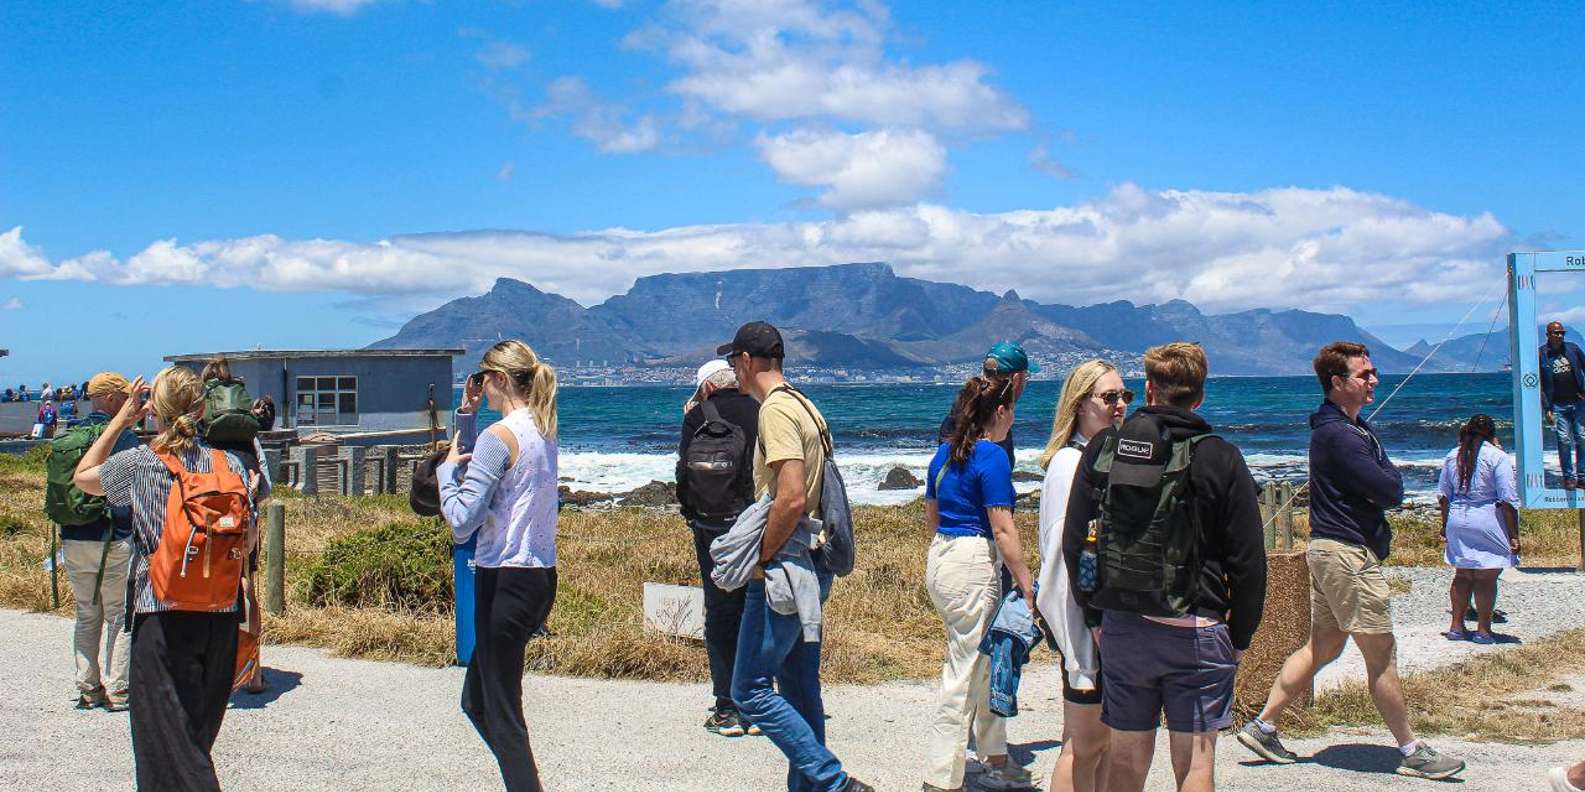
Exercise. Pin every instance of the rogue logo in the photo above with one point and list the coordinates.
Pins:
(1135, 449)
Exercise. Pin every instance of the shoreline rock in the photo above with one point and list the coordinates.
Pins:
(899, 478)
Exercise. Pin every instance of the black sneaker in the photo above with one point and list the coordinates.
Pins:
(855, 785)
(724, 722)
(1267, 746)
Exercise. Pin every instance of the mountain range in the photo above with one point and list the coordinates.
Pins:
(864, 316)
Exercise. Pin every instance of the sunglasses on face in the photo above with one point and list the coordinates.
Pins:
(1369, 374)
(1554, 332)
(1112, 397)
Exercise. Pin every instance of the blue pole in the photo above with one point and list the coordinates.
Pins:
(462, 582)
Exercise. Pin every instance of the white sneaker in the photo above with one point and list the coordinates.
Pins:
(1008, 776)
(1559, 778)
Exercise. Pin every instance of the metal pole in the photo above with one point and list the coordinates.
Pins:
(275, 558)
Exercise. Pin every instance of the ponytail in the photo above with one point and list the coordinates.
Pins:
(178, 399)
(974, 412)
(1475, 434)
(542, 398)
(532, 378)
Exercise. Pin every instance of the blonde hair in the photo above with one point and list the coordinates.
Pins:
(1075, 389)
(178, 399)
(1178, 371)
(533, 379)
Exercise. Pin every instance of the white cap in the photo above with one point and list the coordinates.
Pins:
(710, 367)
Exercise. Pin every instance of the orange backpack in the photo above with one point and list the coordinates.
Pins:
(198, 563)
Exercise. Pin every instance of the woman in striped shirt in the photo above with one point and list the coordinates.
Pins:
(183, 661)
(508, 494)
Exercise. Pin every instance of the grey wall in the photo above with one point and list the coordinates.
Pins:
(391, 390)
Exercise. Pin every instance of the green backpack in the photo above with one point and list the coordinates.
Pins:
(228, 412)
(64, 503)
(1148, 537)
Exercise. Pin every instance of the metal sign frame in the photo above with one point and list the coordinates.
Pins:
(1524, 351)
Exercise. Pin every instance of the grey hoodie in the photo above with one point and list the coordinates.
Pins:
(791, 584)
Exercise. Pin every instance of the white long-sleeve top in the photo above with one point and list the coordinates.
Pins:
(511, 505)
(1081, 658)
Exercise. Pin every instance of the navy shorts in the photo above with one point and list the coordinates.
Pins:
(1149, 667)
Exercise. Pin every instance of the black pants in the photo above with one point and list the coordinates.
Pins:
(511, 603)
(182, 668)
(723, 614)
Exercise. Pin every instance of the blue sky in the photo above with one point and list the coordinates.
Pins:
(310, 173)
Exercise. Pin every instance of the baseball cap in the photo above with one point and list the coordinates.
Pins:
(1010, 358)
(758, 339)
(107, 382)
(710, 367)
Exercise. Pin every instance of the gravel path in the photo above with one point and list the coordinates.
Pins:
(1538, 602)
(331, 723)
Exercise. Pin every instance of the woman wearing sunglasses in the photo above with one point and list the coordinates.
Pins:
(507, 494)
(1093, 398)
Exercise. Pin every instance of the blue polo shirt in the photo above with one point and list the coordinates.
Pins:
(968, 489)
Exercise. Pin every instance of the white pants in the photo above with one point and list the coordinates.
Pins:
(961, 576)
(99, 625)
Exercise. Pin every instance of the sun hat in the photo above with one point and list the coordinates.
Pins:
(106, 383)
(709, 368)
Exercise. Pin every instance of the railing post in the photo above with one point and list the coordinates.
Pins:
(1268, 511)
(1285, 520)
(275, 558)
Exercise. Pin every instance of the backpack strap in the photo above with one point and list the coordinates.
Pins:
(820, 426)
(710, 411)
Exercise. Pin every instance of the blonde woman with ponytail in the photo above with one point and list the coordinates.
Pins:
(183, 661)
(502, 485)
(1093, 398)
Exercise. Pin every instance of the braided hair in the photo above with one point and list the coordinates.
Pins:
(1476, 433)
(974, 412)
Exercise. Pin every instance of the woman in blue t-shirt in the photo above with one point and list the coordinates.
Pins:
(969, 505)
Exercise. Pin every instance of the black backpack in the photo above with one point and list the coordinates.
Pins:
(714, 464)
(1148, 534)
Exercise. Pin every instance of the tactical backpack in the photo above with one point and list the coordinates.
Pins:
(228, 412)
(64, 503)
(714, 465)
(1148, 534)
(839, 552)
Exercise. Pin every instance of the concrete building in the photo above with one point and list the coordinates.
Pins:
(344, 390)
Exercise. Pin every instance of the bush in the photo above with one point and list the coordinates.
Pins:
(398, 566)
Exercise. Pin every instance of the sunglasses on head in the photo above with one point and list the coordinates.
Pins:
(1112, 397)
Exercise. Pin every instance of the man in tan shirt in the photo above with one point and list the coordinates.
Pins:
(772, 651)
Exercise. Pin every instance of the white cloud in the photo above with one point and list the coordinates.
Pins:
(502, 55)
(506, 172)
(338, 7)
(1040, 159)
(1329, 249)
(603, 123)
(779, 60)
(610, 5)
(886, 167)
(13, 304)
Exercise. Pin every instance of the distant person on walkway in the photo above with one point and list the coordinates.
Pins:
(264, 412)
(715, 483)
(1563, 401)
(1177, 578)
(509, 497)
(1093, 399)
(184, 637)
(9, 396)
(47, 393)
(23, 389)
(1352, 484)
(969, 509)
(1006, 360)
(95, 538)
(776, 680)
(1479, 498)
(68, 412)
(46, 419)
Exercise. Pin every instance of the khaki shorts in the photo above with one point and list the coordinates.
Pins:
(1348, 591)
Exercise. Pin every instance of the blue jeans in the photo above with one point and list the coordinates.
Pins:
(1568, 426)
(770, 648)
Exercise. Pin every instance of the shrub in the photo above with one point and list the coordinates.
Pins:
(397, 566)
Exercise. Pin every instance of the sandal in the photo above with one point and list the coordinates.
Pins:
(1456, 635)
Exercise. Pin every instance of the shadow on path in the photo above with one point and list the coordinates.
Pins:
(277, 683)
(1024, 753)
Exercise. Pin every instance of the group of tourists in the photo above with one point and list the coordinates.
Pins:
(46, 392)
(1152, 586)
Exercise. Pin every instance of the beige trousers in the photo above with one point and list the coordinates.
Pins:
(99, 625)
(962, 579)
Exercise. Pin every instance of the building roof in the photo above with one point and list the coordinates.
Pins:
(298, 354)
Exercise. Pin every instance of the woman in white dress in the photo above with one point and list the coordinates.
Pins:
(1479, 498)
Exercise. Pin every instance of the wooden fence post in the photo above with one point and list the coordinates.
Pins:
(275, 558)
(1268, 513)
(1285, 520)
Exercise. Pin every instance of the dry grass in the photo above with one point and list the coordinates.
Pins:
(1548, 538)
(880, 624)
(1491, 696)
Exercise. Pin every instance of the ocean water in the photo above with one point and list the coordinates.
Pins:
(616, 439)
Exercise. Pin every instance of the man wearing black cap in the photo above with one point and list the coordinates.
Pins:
(773, 648)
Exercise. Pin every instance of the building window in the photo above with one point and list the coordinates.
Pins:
(327, 401)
